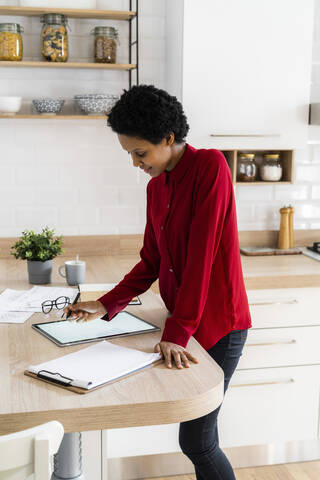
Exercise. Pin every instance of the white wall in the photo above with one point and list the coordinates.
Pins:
(258, 207)
(73, 175)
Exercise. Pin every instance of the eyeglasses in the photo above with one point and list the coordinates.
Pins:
(59, 303)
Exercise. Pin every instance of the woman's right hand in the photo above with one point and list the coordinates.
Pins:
(86, 311)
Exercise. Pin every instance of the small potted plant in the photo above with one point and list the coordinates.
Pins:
(38, 249)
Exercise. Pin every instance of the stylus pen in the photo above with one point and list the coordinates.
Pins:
(73, 303)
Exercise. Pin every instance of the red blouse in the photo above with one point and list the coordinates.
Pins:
(191, 244)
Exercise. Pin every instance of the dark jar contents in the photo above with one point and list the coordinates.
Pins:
(54, 38)
(247, 168)
(105, 44)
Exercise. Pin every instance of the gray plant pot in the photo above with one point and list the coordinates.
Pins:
(39, 272)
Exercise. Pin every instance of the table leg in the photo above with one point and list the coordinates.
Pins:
(104, 459)
(68, 459)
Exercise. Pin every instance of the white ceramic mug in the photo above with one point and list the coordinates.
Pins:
(74, 272)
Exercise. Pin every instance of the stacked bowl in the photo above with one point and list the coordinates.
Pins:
(48, 106)
(95, 103)
(10, 105)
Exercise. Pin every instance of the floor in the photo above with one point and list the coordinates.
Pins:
(288, 471)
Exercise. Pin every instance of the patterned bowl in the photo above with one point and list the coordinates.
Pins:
(95, 104)
(48, 105)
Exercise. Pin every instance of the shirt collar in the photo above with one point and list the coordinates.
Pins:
(179, 171)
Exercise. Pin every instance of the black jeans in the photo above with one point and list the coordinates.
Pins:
(199, 438)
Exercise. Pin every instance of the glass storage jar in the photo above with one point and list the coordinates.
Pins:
(54, 37)
(247, 168)
(11, 47)
(105, 44)
(271, 169)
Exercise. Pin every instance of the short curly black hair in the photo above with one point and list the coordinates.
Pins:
(150, 113)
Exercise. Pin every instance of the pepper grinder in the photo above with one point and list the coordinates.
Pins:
(284, 240)
(291, 232)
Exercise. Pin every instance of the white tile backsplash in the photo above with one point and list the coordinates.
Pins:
(36, 217)
(315, 192)
(7, 217)
(256, 193)
(291, 192)
(308, 173)
(74, 176)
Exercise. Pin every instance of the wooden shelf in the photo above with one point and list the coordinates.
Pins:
(69, 12)
(286, 158)
(58, 116)
(40, 64)
(263, 183)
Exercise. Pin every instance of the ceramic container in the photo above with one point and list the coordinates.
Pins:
(49, 106)
(10, 105)
(95, 104)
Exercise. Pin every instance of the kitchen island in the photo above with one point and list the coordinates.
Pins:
(279, 347)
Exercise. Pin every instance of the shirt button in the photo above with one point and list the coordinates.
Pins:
(168, 205)
(161, 227)
(170, 270)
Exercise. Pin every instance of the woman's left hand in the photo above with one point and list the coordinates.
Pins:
(179, 354)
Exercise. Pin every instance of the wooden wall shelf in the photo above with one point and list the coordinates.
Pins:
(286, 158)
(39, 64)
(70, 12)
(55, 117)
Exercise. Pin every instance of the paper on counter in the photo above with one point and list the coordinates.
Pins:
(14, 317)
(8, 298)
(32, 299)
(96, 365)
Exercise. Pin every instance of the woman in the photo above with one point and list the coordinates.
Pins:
(191, 245)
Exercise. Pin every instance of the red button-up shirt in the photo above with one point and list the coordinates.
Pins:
(191, 244)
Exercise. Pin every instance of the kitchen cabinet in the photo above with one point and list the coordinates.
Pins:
(275, 387)
(286, 159)
(274, 347)
(242, 71)
(270, 405)
(284, 307)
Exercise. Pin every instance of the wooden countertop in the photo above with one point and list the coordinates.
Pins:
(157, 395)
(280, 271)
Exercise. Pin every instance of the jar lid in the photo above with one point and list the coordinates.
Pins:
(11, 27)
(247, 155)
(103, 30)
(273, 156)
(54, 19)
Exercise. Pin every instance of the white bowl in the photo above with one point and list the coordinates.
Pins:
(10, 104)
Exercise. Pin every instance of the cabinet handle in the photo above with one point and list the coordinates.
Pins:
(258, 384)
(275, 302)
(245, 135)
(278, 342)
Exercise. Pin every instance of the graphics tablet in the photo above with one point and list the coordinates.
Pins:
(65, 332)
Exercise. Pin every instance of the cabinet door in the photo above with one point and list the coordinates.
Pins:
(284, 307)
(150, 440)
(246, 71)
(270, 405)
(273, 347)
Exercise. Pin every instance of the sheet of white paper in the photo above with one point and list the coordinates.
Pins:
(98, 364)
(8, 298)
(32, 299)
(96, 287)
(14, 317)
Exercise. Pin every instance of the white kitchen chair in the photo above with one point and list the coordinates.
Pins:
(28, 455)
